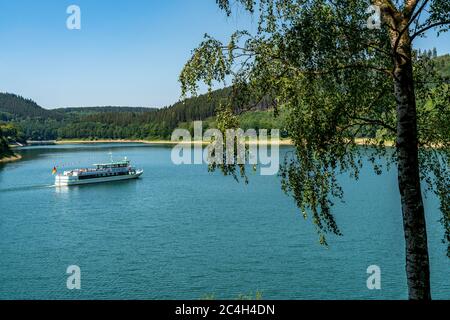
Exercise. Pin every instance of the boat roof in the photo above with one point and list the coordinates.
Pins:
(112, 163)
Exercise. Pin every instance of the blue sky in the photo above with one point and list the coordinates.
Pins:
(128, 52)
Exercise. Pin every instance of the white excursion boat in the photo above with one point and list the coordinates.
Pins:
(105, 172)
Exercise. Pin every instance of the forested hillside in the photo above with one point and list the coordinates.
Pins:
(13, 107)
(37, 123)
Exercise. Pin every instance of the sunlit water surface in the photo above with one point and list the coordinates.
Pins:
(181, 232)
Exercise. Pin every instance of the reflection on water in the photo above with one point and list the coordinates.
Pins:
(61, 189)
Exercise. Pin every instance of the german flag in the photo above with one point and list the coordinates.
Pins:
(54, 170)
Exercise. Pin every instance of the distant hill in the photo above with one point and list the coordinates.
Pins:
(107, 122)
(16, 107)
(13, 106)
(112, 123)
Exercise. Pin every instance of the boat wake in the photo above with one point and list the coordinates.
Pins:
(27, 188)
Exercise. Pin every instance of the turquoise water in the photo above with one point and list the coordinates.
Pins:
(183, 233)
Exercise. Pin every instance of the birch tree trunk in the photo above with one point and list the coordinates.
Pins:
(417, 260)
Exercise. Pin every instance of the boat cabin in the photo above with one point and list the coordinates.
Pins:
(118, 164)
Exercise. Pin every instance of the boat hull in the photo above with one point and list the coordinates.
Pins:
(63, 181)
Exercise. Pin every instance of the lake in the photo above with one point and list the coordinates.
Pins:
(181, 232)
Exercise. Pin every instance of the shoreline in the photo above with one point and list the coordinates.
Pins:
(281, 142)
(12, 158)
(161, 142)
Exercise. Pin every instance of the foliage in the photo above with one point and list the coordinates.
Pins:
(318, 60)
(5, 151)
(443, 65)
(12, 132)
